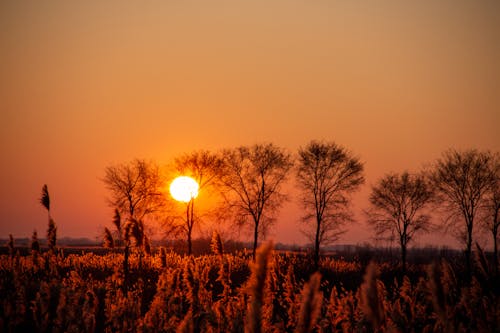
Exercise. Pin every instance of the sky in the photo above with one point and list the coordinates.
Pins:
(88, 84)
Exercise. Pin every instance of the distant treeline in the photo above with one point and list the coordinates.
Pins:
(202, 246)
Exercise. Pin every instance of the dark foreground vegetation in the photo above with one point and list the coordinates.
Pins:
(279, 292)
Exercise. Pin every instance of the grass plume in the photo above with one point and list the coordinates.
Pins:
(256, 284)
(216, 244)
(51, 235)
(311, 304)
(371, 300)
(45, 198)
(108, 239)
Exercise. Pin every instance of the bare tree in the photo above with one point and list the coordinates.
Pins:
(204, 167)
(135, 193)
(491, 210)
(326, 175)
(135, 189)
(252, 178)
(461, 180)
(398, 208)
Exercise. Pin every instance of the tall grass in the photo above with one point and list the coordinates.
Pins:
(311, 304)
(167, 292)
(371, 295)
(256, 289)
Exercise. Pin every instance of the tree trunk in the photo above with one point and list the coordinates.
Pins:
(316, 244)
(495, 250)
(403, 257)
(468, 251)
(189, 220)
(255, 239)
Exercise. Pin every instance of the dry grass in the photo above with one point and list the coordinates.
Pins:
(166, 292)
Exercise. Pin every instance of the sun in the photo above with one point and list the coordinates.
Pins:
(184, 189)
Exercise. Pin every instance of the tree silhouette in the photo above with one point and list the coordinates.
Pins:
(398, 202)
(135, 193)
(491, 210)
(135, 189)
(204, 167)
(251, 179)
(461, 180)
(326, 175)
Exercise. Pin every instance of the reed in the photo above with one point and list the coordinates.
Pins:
(310, 308)
(256, 285)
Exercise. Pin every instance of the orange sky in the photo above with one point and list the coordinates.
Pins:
(91, 83)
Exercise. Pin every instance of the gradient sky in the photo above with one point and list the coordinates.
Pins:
(91, 83)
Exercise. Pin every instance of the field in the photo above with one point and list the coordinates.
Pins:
(279, 292)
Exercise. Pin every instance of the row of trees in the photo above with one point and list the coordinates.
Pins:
(249, 182)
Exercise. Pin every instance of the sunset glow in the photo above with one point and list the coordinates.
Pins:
(162, 161)
(184, 189)
(91, 84)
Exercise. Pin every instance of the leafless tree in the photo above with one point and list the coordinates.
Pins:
(135, 192)
(252, 181)
(204, 167)
(326, 175)
(135, 189)
(398, 209)
(461, 180)
(491, 210)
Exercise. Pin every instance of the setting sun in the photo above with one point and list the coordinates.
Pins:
(152, 154)
(184, 189)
